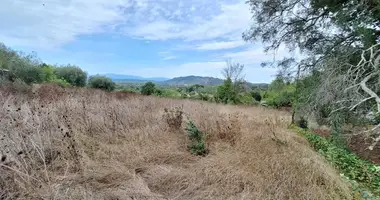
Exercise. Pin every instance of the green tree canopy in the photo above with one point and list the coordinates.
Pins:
(72, 74)
(101, 82)
(148, 88)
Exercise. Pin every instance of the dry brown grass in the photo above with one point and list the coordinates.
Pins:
(88, 144)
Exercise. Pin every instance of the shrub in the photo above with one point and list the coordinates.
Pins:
(101, 82)
(148, 88)
(60, 82)
(72, 74)
(48, 72)
(24, 69)
(226, 93)
(198, 140)
(256, 95)
(351, 166)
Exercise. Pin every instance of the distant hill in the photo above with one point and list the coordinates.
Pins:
(131, 78)
(178, 81)
(191, 80)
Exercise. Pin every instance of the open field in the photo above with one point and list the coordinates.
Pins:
(88, 144)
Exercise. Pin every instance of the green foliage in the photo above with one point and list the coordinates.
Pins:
(226, 93)
(349, 164)
(194, 88)
(48, 72)
(282, 97)
(198, 140)
(27, 73)
(256, 95)
(101, 82)
(127, 88)
(60, 82)
(22, 67)
(72, 74)
(148, 88)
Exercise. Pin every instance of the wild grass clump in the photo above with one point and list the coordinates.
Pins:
(174, 117)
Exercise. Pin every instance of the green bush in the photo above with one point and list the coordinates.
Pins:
(25, 69)
(226, 93)
(60, 82)
(198, 140)
(168, 92)
(101, 82)
(48, 72)
(72, 74)
(256, 95)
(360, 171)
(148, 88)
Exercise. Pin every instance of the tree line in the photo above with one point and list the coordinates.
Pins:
(28, 69)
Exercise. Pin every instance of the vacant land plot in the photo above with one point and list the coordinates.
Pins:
(88, 144)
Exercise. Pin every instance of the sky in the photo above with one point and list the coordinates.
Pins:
(148, 38)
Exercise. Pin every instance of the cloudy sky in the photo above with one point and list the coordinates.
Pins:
(150, 38)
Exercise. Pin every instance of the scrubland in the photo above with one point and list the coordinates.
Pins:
(76, 143)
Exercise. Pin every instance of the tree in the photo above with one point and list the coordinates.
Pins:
(226, 93)
(72, 74)
(333, 74)
(306, 25)
(234, 71)
(233, 85)
(101, 82)
(148, 88)
(355, 92)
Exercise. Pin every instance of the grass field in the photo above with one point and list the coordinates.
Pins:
(88, 144)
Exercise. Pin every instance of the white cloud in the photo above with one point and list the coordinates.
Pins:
(220, 45)
(229, 23)
(169, 57)
(50, 23)
(256, 55)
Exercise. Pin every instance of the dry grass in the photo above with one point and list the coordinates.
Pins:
(87, 144)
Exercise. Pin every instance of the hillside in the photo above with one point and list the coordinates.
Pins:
(82, 143)
(191, 80)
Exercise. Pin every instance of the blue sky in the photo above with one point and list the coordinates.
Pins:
(149, 38)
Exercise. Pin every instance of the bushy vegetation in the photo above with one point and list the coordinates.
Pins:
(148, 88)
(29, 70)
(197, 138)
(101, 82)
(226, 93)
(72, 74)
(352, 167)
(256, 95)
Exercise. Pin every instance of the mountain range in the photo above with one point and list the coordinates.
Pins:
(178, 81)
(131, 78)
